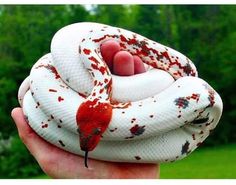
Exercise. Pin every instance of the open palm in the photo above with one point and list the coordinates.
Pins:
(58, 163)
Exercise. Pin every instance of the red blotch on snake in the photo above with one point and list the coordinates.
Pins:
(137, 130)
(52, 90)
(137, 157)
(60, 98)
(86, 51)
(93, 118)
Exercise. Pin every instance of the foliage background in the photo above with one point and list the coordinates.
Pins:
(206, 34)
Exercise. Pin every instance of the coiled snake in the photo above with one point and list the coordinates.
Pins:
(73, 101)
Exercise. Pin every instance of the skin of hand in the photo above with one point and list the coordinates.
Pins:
(58, 163)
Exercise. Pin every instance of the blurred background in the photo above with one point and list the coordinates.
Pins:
(206, 34)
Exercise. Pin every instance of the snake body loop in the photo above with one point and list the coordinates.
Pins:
(162, 116)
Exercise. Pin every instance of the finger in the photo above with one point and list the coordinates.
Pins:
(138, 65)
(108, 50)
(33, 142)
(123, 64)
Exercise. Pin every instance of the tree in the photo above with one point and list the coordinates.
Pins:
(26, 33)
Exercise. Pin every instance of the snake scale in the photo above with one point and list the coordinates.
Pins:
(73, 101)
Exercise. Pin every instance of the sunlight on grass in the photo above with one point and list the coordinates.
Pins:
(217, 162)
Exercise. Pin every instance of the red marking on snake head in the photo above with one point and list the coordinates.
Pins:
(93, 118)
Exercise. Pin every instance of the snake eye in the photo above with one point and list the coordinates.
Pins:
(200, 121)
(78, 130)
(96, 131)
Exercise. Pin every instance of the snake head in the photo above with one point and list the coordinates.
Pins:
(93, 118)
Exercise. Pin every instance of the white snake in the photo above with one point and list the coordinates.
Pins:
(159, 116)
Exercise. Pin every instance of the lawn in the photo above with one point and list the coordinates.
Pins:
(207, 163)
(204, 163)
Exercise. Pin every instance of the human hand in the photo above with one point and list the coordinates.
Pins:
(58, 163)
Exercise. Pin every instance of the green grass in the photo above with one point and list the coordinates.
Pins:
(207, 163)
(43, 176)
(204, 163)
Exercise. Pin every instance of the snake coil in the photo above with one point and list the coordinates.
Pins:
(73, 101)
